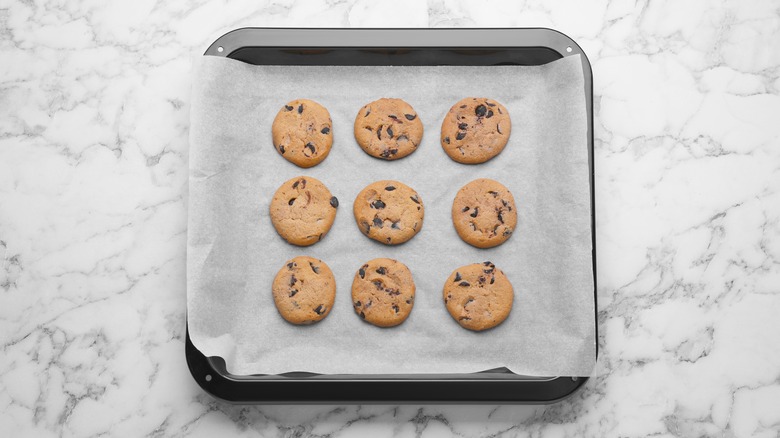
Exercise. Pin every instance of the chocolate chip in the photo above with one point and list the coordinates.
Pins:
(464, 283)
(490, 104)
(320, 309)
(319, 237)
(281, 149)
(457, 277)
(487, 263)
(302, 183)
(463, 106)
(290, 202)
(390, 188)
(466, 208)
(362, 271)
(314, 268)
(461, 135)
(288, 107)
(377, 284)
(507, 232)
(499, 111)
(395, 226)
(325, 130)
(377, 222)
(382, 270)
(500, 218)
(476, 212)
(291, 265)
(396, 308)
(480, 110)
(463, 125)
(389, 239)
(293, 280)
(447, 140)
(489, 114)
(378, 204)
(300, 109)
(358, 304)
(492, 280)
(409, 301)
(410, 116)
(393, 292)
(415, 199)
(362, 315)
(498, 128)
(368, 111)
(379, 133)
(334, 202)
(293, 292)
(495, 194)
(481, 279)
(390, 131)
(367, 226)
(392, 151)
(310, 147)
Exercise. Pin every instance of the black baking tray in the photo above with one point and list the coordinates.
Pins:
(287, 46)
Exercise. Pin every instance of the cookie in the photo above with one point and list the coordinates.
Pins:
(304, 290)
(303, 210)
(484, 213)
(475, 130)
(478, 296)
(388, 129)
(383, 292)
(389, 212)
(303, 132)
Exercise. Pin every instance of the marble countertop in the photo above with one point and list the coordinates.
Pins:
(94, 105)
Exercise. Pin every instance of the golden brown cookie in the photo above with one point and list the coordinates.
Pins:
(304, 290)
(478, 296)
(475, 130)
(484, 213)
(383, 292)
(389, 212)
(303, 210)
(388, 129)
(303, 132)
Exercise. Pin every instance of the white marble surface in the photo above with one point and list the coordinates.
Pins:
(93, 151)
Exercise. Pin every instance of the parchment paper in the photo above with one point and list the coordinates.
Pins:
(233, 252)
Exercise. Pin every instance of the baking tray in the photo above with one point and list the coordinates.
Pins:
(287, 46)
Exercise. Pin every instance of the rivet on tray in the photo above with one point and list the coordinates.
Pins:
(221, 49)
(208, 377)
(568, 49)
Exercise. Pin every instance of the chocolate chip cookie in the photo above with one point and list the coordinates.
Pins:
(303, 210)
(475, 130)
(388, 129)
(484, 213)
(383, 292)
(304, 290)
(389, 212)
(303, 132)
(478, 296)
